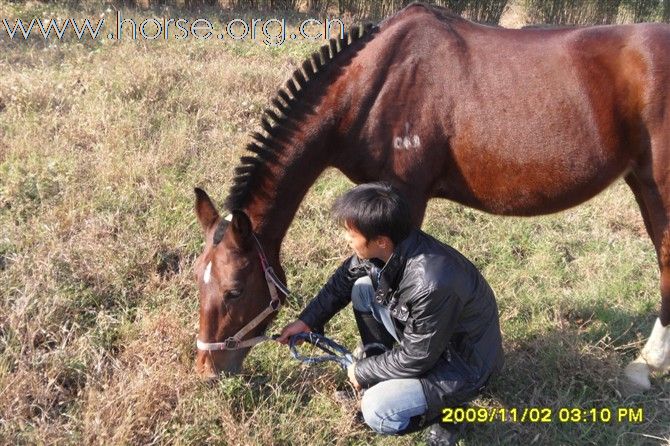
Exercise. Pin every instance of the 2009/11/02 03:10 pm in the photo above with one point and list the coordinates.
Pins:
(605, 415)
(237, 29)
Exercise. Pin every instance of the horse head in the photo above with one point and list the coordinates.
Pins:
(233, 290)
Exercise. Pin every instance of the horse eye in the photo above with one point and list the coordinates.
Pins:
(233, 294)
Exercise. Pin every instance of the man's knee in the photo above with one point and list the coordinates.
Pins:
(388, 407)
(376, 418)
(361, 295)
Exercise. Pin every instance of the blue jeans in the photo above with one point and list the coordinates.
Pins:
(387, 406)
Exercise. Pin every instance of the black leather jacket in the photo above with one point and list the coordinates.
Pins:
(444, 311)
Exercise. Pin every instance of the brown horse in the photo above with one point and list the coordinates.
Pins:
(512, 122)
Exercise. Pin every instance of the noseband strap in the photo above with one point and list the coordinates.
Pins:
(235, 342)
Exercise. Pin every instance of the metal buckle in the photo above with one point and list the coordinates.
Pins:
(231, 344)
(275, 304)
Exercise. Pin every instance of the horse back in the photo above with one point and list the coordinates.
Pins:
(519, 122)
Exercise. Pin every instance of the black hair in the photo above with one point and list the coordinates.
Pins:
(375, 209)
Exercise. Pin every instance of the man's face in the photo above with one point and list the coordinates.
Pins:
(364, 248)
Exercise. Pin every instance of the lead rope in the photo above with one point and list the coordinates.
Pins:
(336, 352)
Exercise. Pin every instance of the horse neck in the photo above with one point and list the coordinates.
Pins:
(280, 191)
(310, 142)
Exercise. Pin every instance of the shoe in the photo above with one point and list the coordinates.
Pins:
(441, 434)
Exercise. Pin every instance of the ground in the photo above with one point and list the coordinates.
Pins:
(101, 144)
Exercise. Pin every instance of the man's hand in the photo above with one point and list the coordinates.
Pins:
(291, 329)
(352, 377)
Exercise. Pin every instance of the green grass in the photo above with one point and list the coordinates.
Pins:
(100, 147)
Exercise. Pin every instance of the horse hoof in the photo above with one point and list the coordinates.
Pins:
(637, 373)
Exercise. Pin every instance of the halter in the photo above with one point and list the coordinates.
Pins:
(235, 342)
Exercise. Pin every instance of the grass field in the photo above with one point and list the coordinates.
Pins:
(101, 144)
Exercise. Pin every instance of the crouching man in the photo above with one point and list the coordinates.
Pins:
(423, 300)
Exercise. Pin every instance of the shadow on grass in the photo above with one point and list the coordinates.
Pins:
(564, 368)
(561, 367)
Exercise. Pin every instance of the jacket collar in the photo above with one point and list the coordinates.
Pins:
(393, 270)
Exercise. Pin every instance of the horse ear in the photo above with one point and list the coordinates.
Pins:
(240, 230)
(204, 209)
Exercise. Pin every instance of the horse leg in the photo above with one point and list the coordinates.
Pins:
(636, 187)
(654, 202)
(418, 209)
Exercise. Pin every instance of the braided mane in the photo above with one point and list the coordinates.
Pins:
(290, 103)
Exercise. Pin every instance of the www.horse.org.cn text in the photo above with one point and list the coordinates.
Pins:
(271, 32)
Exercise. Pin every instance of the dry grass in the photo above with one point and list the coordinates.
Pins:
(100, 146)
(584, 12)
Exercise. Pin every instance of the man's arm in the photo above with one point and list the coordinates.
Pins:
(427, 333)
(334, 295)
